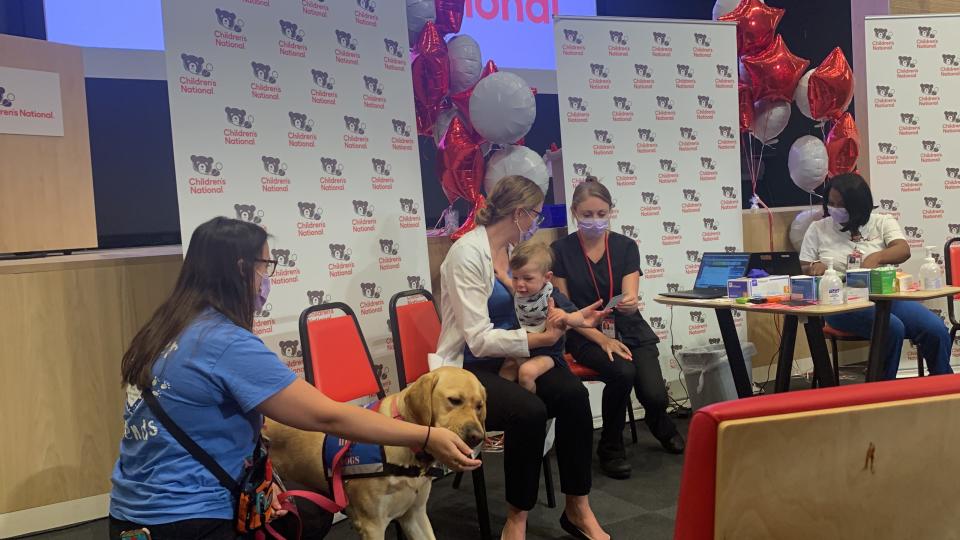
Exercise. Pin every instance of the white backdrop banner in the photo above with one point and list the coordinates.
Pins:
(913, 79)
(649, 107)
(299, 116)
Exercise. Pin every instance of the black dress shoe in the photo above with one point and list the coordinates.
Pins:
(675, 444)
(615, 466)
(572, 529)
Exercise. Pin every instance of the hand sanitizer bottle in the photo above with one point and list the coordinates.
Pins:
(831, 288)
(930, 277)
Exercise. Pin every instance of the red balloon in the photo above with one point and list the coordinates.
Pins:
(746, 107)
(470, 223)
(775, 71)
(460, 162)
(462, 99)
(449, 16)
(843, 145)
(756, 25)
(431, 77)
(831, 87)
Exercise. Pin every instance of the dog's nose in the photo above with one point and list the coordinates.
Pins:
(473, 436)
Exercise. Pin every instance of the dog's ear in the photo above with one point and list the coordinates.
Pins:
(419, 399)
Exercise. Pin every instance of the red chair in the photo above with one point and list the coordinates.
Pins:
(951, 261)
(588, 375)
(336, 359)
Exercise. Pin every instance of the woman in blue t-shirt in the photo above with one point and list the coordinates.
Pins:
(217, 380)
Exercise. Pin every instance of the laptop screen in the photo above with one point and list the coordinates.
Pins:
(717, 268)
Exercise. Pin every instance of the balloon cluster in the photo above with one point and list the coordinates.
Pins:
(771, 77)
(468, 106)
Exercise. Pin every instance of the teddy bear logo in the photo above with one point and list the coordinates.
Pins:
(415, 282)
(248, 212)
(661, 39)
(309, 210)
(671, 227)
(6, 98)
(354, 125)
(315, 298)
(602, 136)
(389, 247)
(577, 103)
(649, 198)
(929, 89)
(362, 208)
(657, 323)
(646, 135)
(688, 134)
(723, 71)
(910, 175)
(691, 195)
(229, 20)
(370, 290)
(581, 169)
(953, 172)
(932, 202)
(291, 30)
(346, 40)
(907, 62)
(630, 231)
(643, 71)
(367, 5)
(393, 47)
(400, 128)
(954, 228)
(886, 148)
(272, 165)
(572, 36)
(697, 317)
(702, 40)
(889, 205)
(665, 102)
(667, 165)
(205, 165)
(931, 146)
(913, 232)
(625, 167)
(882, 34)
(617, 38)
(714, 341)
(908, 119)
(340, 252)
(263, 72)
(950, 60)
(950, 116)
(599, 70)
(291, 348)
(239, 117)
(263, 312)
(927, 32)
(693, 256)
(331, 166)
(408, 206)
(726, 132)
(729, 192)
(885, 91)
(705, 102)
(300, 122)
(322, 79)
(380, 166)
(673, 287)
(683, 70)
(709, 224)
(196, 65)
(707, 164)
(383, 374)
(284, 257)
(622, 103)
(654, 261)
(372, 84)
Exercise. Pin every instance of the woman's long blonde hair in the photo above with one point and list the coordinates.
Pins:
(509, 194)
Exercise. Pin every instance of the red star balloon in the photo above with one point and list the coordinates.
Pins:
(843, 146)
(831, 87)
(756, 25)
(746, 107)
(462, 99)
(460, 162)
(775, 71)
(449, 16)
(431, 77)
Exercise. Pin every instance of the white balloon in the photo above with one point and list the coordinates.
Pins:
(801, 97)
(516, 159)
(418, 13)
(502, 108)
(798, 229)
(770, 117)
(444, 117)
(808, 163)
(465, 62)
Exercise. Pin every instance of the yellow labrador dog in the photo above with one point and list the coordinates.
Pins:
(447, 397)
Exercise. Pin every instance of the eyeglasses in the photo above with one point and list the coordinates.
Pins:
(540, 217)
(271, 265)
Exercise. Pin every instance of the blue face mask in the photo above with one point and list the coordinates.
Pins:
(839, 215)
(261, 299)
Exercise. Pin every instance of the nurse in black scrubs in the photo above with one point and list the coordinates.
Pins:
(595, 263)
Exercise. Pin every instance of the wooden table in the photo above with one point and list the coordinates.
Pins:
(881, 323)
(811, 316)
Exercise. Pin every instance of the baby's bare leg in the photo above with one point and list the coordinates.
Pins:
(533, 368)
(509, 369)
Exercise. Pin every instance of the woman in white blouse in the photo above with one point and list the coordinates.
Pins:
(480, 329)
(855, 236)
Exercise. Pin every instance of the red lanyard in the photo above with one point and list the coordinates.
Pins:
(606, 250)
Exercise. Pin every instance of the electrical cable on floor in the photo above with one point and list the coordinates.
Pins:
(776, 322)
(677, 404)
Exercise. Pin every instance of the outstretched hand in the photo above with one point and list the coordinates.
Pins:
(593, 315)
(448, 448)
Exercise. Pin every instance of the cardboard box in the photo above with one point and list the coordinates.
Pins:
(770, 286)
(858, 285)
(738, 288)
(803, 288)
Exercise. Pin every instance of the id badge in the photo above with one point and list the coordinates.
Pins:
(609, 328)
(854, 259)
(137, 534)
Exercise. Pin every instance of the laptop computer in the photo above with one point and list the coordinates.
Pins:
(715, 270)
(776, 263)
